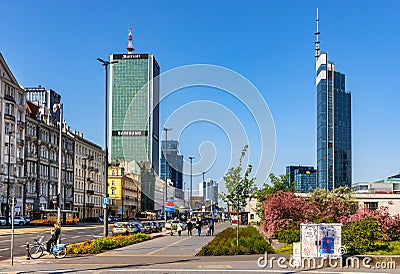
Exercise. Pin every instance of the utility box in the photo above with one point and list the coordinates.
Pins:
(321, 240)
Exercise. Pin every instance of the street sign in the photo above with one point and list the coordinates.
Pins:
(105, 201)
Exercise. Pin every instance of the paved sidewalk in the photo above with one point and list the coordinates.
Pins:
(158, 252)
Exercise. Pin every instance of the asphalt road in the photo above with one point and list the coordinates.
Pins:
(70, 234)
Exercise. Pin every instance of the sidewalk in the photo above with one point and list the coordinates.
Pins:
(156, 253)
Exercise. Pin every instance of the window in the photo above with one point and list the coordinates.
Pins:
(371, 205)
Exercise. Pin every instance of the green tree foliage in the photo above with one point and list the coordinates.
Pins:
(240, 189)
(278, 183)
(362, 236)
(332, 205)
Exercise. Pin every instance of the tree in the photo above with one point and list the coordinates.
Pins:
(332, 205)
(278, 183)
(240, 189)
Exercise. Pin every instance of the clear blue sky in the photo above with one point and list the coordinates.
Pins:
(56, 43)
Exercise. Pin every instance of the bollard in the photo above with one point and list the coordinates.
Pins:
(28, 257)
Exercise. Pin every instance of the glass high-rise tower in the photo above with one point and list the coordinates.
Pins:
(134, 108)
(135, 93)
(333, 124)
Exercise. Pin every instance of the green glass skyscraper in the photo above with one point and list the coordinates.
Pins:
(135, 93)
(134, 107)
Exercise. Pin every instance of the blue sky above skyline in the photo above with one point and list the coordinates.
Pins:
(271, 43)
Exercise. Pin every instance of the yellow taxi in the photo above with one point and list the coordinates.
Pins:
(120, 228)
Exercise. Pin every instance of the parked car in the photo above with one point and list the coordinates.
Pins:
(3, 220)
(120, 228)
(147, 227)
(91, 220)
(27, 219)
(134, 227)
(18, 220)
(155, 227)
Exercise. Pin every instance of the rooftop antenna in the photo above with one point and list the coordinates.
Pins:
(316, 38)
(130, 45)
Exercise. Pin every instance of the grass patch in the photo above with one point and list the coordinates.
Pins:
(225, 243)
(287, 249)
(106, 243)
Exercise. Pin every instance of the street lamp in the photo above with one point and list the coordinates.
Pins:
(8, 178)
(106, 64)
(60, 107)
(166, 169)
(191, 186)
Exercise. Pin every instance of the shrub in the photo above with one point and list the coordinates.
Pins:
(225, 243)
(361, 236)
(107, 243)
(289, 234)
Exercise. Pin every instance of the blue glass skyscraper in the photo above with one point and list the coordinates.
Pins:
(333, 124)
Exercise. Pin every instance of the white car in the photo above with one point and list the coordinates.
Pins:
(18, 220)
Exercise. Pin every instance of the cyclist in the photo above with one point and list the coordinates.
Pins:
(54, 238)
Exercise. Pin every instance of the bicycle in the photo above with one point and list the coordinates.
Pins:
(59, 251)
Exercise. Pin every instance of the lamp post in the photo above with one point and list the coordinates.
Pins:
(84, 190)
(8, 178)
(60, 107)
(191, 186)
(166, 170)
(106, 64)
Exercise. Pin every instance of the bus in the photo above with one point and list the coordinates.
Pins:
(147, 216)
(49, 216)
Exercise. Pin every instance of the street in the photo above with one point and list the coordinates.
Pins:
(167, 254)
(70, 234)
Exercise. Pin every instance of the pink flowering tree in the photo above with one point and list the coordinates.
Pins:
(389, 224)
(283, 209)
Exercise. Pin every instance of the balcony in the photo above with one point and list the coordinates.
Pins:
(69, 199)
(90, 192)
(90, 204)
(10, 98)
(9, 117)
(20, 160)
(91, 180)
(21, 123)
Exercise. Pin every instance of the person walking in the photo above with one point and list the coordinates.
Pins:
(189, 227)
(55, 233)
(179, 228)
(211, 227)
(198, 225)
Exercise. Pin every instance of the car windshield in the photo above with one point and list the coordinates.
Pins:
(119, 225)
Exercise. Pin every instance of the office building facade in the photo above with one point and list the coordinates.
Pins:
(305, 178)
(134, 109)
(334, 156)
(135, 93)
(171, 169)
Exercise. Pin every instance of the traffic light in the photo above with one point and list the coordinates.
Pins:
(56, 200)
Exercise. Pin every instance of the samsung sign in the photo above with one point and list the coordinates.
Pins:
(130, 133)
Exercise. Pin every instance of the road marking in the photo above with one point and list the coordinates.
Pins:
(4, 249)
(76, 237)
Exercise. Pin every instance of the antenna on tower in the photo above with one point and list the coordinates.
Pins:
(130, 45)
(316, 38)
